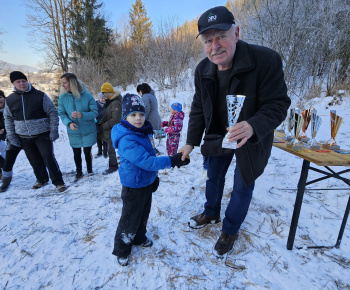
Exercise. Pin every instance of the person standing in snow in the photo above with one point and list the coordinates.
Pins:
(111, 116)
(11, 154)
(77, 109)
(101, 145)
(151, 105)
(233, 67)
(31, 122)
(138, 171)
(2, 132)
(174, 127)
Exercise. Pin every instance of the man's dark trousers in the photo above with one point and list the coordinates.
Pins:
(241, 195)
(41, 145)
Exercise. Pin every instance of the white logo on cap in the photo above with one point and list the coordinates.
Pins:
(211, 18)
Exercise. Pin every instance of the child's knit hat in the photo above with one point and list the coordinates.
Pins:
(176, 107)
(132, 103)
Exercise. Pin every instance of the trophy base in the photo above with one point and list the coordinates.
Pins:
(312, 147)
(305, 139)
(295, 147)
(287, 138)
(331, 147)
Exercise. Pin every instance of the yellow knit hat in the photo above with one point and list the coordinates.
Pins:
(107, 88)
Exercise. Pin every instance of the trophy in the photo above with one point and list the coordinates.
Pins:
(307, 118)
(298, 123)
(335, 124)
(315, 126)
(290, 124)
(234, 107)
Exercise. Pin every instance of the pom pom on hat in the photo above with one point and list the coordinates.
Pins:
(130, 104)
(176, 107)
(17, 75)
(107, 88)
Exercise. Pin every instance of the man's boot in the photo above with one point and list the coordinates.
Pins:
(5, 183)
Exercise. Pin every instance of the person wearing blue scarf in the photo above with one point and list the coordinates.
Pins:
(138, 171)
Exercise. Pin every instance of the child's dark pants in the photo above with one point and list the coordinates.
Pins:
(133, 221)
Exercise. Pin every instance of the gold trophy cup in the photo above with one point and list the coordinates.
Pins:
(307, 118)
(335, 124)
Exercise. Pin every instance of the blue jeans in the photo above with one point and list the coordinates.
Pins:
(241, 195)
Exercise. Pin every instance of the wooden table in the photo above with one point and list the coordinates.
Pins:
(320, 159)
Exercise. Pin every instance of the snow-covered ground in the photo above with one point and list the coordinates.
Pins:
(64, 240)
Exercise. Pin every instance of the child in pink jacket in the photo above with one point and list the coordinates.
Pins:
(174, 128)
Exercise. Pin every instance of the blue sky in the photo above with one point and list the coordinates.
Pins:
(16, 44)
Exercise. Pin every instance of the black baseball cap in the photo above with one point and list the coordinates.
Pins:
(217, 17)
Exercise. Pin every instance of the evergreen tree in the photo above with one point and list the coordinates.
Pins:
(90, 35)
(140, 24)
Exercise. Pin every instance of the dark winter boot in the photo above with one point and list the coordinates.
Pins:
(79, 173)
(224, 244)
(110, 170)
(5, 183)
(201, 220)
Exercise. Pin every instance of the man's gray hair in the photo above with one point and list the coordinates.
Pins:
(234, 26)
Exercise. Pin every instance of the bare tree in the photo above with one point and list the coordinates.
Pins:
(310, 35)
(166, 58)
(91, 73)
(48, 22)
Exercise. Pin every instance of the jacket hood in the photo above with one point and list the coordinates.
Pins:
(115, 95)
(30, 87)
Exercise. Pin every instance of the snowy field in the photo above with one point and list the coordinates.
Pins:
(64, 240)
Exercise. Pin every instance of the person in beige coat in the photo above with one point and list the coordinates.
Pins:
(111, 116)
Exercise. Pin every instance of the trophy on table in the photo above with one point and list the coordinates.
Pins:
(315, 126)
(307, 118)
(335, 124)
(234, 107)
(298, 123)
(290, 125)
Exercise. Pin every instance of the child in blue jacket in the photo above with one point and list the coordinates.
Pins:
(138, 173)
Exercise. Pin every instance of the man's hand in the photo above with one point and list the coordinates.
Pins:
(73, 126)
(242, 130)
(185, 150)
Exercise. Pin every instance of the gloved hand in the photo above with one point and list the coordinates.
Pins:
(155, 184)
(176, 160)
(54, 135)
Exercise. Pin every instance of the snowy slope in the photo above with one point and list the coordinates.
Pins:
(64, 240)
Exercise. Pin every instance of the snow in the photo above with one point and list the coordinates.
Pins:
(65, 240)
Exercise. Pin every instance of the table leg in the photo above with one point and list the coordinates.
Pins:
(343, 224)
(298, 203)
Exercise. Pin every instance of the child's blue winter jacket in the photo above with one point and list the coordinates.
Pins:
(139, 164)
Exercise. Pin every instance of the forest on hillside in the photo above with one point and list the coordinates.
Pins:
(311, 36)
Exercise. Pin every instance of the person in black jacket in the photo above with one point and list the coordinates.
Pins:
(2, 132)
(31, 121)
(101, 145)
(233, 67)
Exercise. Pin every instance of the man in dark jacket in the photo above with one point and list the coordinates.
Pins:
(31, 122)
(233, 67)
